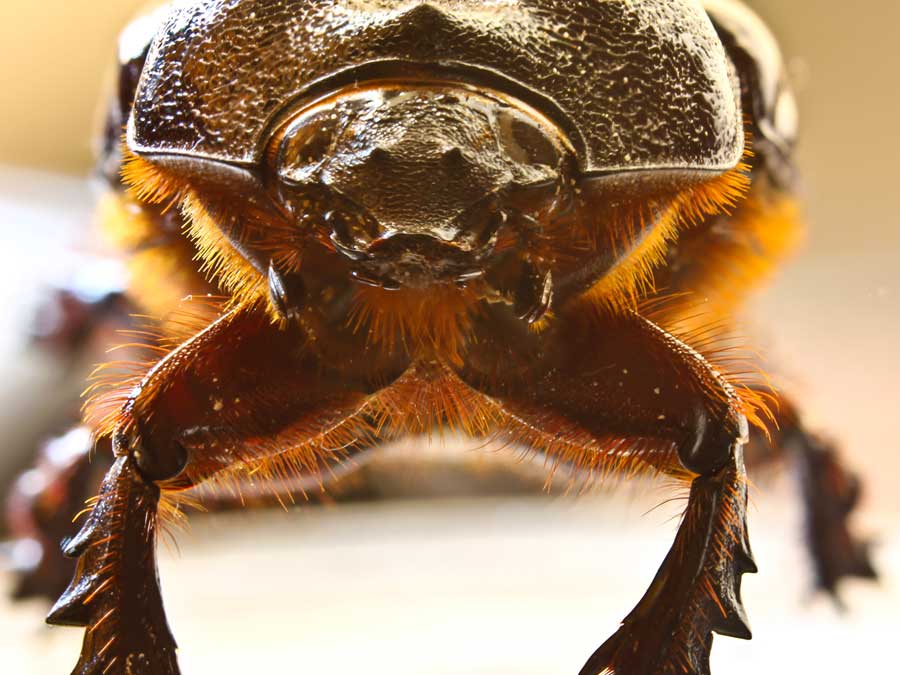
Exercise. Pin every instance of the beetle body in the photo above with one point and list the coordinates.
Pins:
(489, 216)
(472, 155)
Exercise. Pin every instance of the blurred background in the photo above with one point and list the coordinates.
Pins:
(515, 584)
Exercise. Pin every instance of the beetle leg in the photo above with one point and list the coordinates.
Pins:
(721, 260)
(115, 591)
(242, 396)
(69, 471)
(619, 394)
(40, 508)
(830, 493)
(697, 589)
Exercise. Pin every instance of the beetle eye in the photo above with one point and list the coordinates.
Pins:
(304, 146)
(525, 142)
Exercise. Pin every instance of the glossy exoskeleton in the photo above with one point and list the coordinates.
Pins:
(529, 220)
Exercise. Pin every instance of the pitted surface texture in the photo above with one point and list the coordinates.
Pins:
(638, 84)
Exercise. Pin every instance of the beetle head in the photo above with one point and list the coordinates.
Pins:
(412, 144)
(419, 179)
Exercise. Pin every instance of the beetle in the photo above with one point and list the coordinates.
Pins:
(492, 217)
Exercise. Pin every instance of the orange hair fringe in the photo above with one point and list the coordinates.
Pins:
(631, 278)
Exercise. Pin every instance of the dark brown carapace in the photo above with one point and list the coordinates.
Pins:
(532, 221)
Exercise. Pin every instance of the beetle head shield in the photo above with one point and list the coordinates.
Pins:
(419, 179)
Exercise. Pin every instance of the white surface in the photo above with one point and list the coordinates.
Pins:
(499, 587)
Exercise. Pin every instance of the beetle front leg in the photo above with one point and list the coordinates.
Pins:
(697, 589)
(194, 415)
(617, 394)
(115, 592)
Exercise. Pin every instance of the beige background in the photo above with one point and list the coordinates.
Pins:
(518, 587)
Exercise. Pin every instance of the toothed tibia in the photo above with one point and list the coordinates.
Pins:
(115, 592)
(697, 590)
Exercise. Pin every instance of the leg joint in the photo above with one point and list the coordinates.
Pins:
(713, 442)
(154, 461)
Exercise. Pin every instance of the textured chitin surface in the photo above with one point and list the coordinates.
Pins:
(637, 83)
